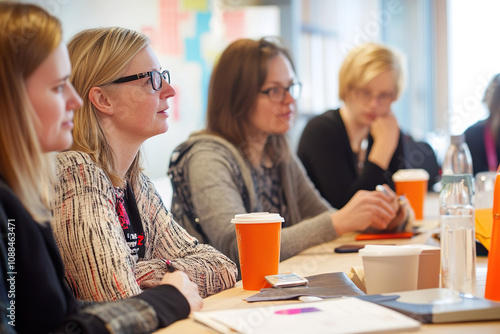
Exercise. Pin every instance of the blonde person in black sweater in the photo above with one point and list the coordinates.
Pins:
(359, 145)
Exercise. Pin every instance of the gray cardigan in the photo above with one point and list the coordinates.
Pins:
(212, 182)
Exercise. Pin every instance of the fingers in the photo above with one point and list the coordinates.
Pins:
(365, 209)
(391, 196)
(400, 218)
(381, 202)
(185, 286)
(380, 218)
(194, 299)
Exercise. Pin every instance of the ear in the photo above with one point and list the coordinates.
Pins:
(100, 99)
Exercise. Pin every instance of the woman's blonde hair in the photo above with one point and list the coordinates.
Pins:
(366, 61)
(100, 56)
(28, 35)
(234, 86)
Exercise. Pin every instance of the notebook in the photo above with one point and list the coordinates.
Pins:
(340, 315)
(438, 305)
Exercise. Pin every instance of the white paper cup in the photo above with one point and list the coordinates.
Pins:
(390, 268)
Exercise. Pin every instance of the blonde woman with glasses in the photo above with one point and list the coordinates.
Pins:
(359, 145)
(242, 163)
(115, 234)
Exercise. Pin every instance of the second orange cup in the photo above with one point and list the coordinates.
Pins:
(412, 183)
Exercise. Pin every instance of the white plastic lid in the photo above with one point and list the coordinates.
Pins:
(422, 246)
(257, 218)
(388, 250)
(410, 175)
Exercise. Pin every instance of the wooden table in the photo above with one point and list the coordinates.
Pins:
(322, 259)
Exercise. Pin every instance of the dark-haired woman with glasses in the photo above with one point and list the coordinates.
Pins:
(359, 145)
(242, 163)
(115, 235)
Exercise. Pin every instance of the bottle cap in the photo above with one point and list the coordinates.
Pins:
(457, 139)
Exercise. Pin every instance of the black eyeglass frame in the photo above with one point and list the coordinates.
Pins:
(165, 74)
(298, 86)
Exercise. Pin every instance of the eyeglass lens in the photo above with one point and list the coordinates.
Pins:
(294, 91)
(366, 97)
(157, 78)
(278, 94)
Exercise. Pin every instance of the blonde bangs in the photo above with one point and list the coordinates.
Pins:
(365, 62)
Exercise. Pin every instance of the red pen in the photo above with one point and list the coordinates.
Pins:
(170, 266)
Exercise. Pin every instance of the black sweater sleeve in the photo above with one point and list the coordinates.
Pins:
(168, 302)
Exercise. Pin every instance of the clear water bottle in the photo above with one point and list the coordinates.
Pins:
(458, 240)
(457, 159)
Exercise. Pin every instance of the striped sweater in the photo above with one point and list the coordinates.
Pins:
(98, 261)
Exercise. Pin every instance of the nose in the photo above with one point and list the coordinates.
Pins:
(74, 101)
(167, 90)
(374, 100)
(288, 98)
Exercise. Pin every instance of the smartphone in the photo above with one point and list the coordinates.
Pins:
(348, 248)
(286, 280)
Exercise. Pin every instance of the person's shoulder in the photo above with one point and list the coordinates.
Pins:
(211, 141)
(73, 158)
(328, 124)
(79, 165)
(6, 193)
(474, 135)
(328, 119)
(476, 128)
(328, 116)
(204, 146)
(10, 203)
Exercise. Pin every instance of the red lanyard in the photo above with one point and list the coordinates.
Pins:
(489, 145)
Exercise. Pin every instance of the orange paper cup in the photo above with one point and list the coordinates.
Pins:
(259, 240)
(412, 183)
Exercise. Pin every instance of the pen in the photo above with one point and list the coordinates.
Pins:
(170, 266)
(381, 188)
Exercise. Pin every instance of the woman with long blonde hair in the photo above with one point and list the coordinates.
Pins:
(36, 108)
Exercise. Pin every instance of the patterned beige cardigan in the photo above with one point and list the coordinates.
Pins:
(97, 259)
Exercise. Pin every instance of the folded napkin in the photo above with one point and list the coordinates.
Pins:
(324, 285)
(357, 276)
(484, 226)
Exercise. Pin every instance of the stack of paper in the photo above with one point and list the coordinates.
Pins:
(342, 315)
